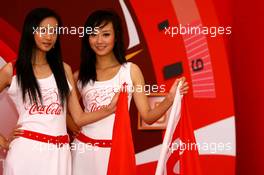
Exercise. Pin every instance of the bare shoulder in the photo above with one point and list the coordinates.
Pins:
(7, 70)
(135, 69)
(67, 67)
(136, 73)
(76, 75)
(6, 73)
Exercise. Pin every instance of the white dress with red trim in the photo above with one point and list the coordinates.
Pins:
(36, 153)
(91, 149)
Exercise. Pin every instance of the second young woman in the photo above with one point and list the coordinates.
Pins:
(104, 69)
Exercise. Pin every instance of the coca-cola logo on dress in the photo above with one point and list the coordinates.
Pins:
(51, 103)
(98, 97)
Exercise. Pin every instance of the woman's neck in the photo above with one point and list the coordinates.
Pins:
(39, 58)
(103, 62)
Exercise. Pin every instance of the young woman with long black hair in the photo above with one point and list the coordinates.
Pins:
(104, 69)
(41, 87)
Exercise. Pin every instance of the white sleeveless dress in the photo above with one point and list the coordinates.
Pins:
(91, 159)
(31, 157)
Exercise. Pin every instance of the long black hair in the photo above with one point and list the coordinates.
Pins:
(100, 18)
(25, 75)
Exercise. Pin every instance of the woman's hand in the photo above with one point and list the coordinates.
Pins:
(15, 134)
(4, 144)
(183, 90)
(73, 128)
(112, 105)
(184, 87)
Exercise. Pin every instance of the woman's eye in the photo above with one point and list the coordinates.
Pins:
(92, 35)
(106, 34)
(43, 30)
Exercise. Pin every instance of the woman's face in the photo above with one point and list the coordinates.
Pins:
(46, 35)
(103, 42)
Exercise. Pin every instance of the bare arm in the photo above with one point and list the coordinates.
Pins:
(71, 125)
(75, 78)
(151, 115)
(3, 142)
(82, 118)
(6, 74)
